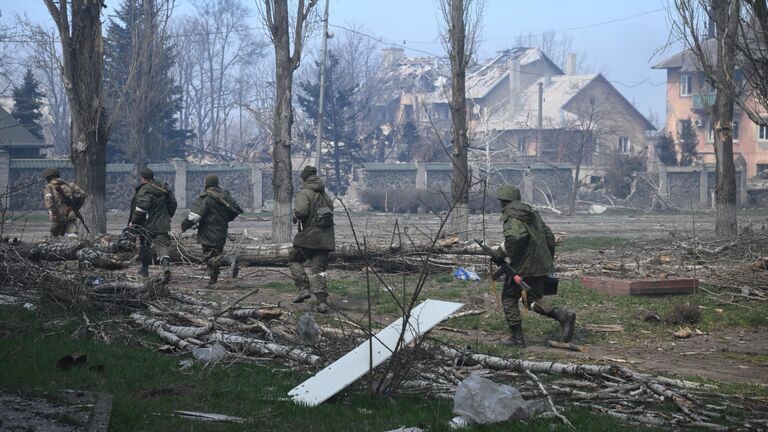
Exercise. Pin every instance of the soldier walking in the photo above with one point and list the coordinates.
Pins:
(315, 239)
(212, 211)
(152, 207)
(530, 246)
(62, 199)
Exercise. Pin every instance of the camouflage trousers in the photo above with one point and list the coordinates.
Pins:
(316, 282)
(160, 242)
(60, 228)
(212, 257)
(512, 293)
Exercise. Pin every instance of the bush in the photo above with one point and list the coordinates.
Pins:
(422, 201)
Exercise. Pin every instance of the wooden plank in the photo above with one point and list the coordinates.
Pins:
(355, 364)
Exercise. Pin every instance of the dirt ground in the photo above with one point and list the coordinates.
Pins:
(737, 354)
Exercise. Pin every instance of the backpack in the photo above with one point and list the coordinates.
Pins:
(323, 217)
(230, 212)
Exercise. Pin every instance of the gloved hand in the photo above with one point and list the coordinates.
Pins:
(186, 224)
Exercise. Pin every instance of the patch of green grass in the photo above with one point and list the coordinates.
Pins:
(280, 286)
(147, 387)
(571, 244)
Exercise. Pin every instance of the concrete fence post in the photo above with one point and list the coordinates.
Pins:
(741, 168)
(527, 189)
(421, 175)
(180, 182)
(5, 179)
(663, 180)
(257, 183)
(703, 186)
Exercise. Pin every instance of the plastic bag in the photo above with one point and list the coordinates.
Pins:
(308, 330)
(466, 274)
(483, 401)
(209, 354)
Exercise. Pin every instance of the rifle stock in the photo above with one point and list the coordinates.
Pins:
(68, 202)
(504, 269)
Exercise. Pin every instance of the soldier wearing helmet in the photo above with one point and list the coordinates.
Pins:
(529, 246)
(56, 194)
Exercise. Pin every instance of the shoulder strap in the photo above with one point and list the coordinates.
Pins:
(158, 187)
(220, 199)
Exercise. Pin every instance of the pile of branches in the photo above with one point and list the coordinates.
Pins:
(435, 368)
(79, 286)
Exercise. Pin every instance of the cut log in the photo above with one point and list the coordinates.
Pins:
(264, 347)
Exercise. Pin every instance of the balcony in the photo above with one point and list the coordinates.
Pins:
(703, 102)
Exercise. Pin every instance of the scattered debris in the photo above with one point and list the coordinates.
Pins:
(648, 316)
(567, 346)
(604, 328)
(466, 274)
(683, 333)
(69, 361)
(684, 313)
(210, 417)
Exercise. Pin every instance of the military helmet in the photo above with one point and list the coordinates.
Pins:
(211, 180)
(147, 173)
(51, 173)
(508, 193)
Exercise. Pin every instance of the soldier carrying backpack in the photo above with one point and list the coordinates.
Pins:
(62, 200)
(315, 239)
(212, 211)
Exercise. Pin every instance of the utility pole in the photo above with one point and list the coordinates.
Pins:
(319, 144)
(540, 120)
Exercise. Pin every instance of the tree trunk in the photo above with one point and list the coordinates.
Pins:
(85, 53)
(282, 181)
(726, 20)
(460, 181)
(574, 189)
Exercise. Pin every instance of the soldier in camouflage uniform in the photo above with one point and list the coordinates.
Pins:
(530, 246)
(152, 208)
(212, 211)
(62, 217)
(314, 240)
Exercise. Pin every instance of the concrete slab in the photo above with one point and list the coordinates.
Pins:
(637, 287)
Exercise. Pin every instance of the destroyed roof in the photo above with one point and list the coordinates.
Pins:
(411, 75)
(13, 134)
(561, 90)
(686, 60)
(483, 80)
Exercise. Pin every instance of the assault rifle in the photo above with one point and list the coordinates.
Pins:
(504, 268)
(68, 202)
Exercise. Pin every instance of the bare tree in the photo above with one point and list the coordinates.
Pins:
(716, 58)
(752, 47)
(462, 21)
(79, 26)
(556, 47)
(278, 22)
(45, 58)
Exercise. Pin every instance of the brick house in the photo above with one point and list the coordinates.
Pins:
(689, 101)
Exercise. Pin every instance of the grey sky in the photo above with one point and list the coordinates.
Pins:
(619, 37)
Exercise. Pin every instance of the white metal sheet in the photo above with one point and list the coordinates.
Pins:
(355, 363)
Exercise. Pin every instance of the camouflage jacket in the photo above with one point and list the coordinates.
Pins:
(212, 210)
(311, 197)
(528, 241)
(54, 202)
(153, 205)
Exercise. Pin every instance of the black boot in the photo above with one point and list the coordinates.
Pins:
(516, 338)
(165, 263)
(567, 320)
(214, 277)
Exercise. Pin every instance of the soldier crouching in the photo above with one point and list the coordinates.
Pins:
(57, 193)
